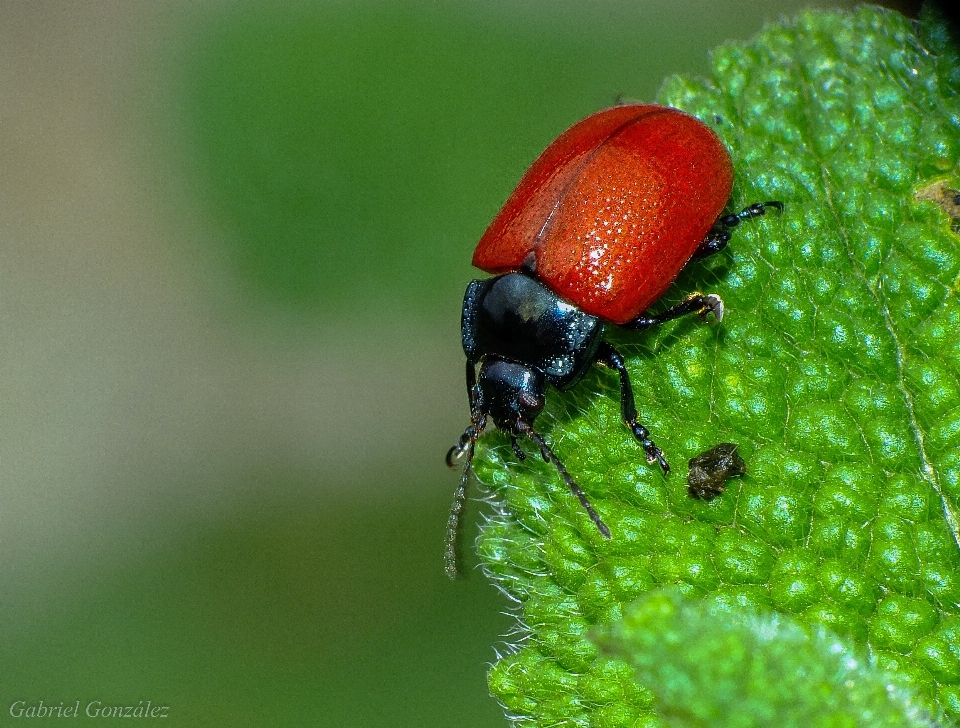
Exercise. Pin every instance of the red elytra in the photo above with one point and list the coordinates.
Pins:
(614, 208)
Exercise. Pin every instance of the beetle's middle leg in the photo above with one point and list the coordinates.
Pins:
(698, 303)
(609, 357)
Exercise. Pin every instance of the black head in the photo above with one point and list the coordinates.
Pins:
(511, 394)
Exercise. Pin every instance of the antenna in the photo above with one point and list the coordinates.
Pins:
(466, 446)
(550, 457)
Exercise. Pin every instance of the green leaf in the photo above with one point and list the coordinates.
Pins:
(710, 666)
(836, 370)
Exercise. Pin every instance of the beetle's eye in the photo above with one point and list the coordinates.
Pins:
(530, 401)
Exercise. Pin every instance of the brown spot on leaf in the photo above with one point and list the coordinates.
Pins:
(942, 194)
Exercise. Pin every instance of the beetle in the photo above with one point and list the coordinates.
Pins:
(596, 230)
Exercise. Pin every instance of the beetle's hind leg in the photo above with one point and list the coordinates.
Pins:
(610, 357)
(716, 240)
(719, 235)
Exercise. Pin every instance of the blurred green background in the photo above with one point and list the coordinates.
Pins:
(234, 242)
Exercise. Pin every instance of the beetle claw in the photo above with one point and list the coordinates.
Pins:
(454, 454)
(655, 455)
(712, 303)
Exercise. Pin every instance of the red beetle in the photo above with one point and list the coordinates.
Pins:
(596, 231)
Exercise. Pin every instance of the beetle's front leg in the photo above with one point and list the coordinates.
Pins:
(609, 357)
(472, 387)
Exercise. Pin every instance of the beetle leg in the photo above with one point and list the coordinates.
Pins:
(697, 303)
(472, 387)
(457, 451)
(465, 447)
(715, 241)
(719, 235)
(549, 456)
(610, 357)
(521, 455)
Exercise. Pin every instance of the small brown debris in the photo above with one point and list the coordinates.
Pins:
(711, 469)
